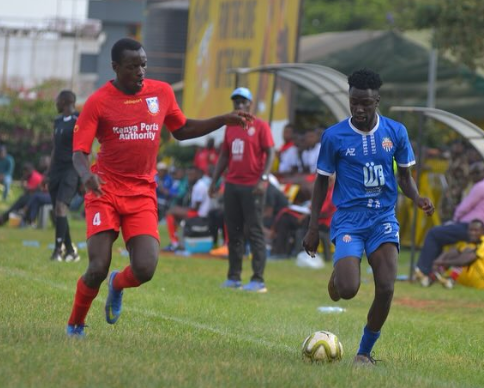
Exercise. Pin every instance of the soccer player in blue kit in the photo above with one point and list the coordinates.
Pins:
(360, 151)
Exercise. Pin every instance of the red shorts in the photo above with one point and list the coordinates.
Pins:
(135, 215)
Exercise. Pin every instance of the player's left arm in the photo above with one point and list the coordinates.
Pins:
(409, 188)
(196, 128)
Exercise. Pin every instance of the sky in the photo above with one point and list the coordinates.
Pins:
(24, 10)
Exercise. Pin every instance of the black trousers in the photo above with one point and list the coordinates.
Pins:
(243, 217)
(435, 241)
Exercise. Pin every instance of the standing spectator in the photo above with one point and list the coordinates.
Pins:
(288, 153)
(457, 177)
(471, 208)
(164, 182)
(199, 207)
(126, 115)
(31, 181)
(361, 150)
(63, 178)
(206, 157)
(247, 155)
(7, 166)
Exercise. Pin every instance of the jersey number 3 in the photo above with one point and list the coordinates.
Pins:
(96, 220)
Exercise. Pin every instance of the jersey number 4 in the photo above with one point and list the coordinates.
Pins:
(96, 220)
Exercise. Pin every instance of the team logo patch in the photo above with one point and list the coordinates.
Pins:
(251, 131)
(346, 238)
(387, 144)
(153, 105)
(76, 128)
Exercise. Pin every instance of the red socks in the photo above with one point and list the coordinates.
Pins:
(82, 303)
(171, 226)
(125, 279)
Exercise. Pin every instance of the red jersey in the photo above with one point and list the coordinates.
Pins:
(128, 129)
(246, 150)
(204, 158)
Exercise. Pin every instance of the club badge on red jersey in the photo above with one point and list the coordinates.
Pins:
(153, 105)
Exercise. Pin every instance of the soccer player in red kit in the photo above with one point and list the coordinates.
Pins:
(126, 115)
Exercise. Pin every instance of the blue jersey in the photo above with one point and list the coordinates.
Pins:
(363, 162)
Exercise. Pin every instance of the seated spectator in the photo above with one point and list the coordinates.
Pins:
(35, 202)
(31, 180)
(206, 157)
(471, 208)
(275, 201)
(199, 206)
(291, 224)
(457, 178)
(7, 166)
(310, 153)
(287, 155)
(463, 264)
(164, 182)
(179, 188)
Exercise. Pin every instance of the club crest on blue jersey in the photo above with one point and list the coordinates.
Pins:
(153, 105)
(387, 144)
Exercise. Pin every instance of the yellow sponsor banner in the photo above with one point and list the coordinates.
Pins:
(225, 34)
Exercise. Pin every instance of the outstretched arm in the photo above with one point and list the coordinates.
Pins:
(409, 188)
(197, 128)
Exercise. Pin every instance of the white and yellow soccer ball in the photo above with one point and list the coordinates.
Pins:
(322, 346)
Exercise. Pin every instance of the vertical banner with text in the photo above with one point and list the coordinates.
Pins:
(225, 34)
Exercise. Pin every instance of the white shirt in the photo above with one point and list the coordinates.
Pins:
(288, 159)
(200, 195)
(309, 158)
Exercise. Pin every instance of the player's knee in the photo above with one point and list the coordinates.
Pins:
(347, 290)
(385, 290)
(95, 275)
(143, 273)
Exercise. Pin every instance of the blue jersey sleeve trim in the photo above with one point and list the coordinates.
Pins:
(322, 172)
(406, 164)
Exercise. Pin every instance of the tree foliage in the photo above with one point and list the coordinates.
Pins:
(458, 25)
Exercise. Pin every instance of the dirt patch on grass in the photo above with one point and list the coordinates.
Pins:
(434, 304)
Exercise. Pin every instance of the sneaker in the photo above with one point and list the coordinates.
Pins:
(221, 251)
(333, 293)
(73, 256)
(423, 279)
(114, 301)
(232, 284)
(76, 331)
(56, 255)
(171, 248)
(255, 286)
(446, 282)
(364, 360)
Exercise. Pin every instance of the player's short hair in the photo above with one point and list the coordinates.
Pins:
(477, 221)
(365, 79)
(67, 95)
(122, 45)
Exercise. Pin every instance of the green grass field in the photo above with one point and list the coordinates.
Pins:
(182, 330)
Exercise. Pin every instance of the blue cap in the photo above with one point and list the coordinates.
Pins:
(242, 92)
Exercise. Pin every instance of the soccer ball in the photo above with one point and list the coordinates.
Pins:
(322, 346)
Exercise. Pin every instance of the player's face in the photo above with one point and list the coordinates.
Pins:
(363, 105)
(130, 73)
(476, 231)
(241, 103)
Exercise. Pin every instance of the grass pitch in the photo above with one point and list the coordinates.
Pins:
(182, 330)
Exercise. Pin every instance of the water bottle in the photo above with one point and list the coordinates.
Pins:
(331, 309)
(31, 243)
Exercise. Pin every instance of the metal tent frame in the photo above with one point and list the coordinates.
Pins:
(329, 85)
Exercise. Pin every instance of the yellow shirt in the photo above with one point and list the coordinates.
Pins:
(473, 274)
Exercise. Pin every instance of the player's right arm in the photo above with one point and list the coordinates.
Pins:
(84, 133)
(320, 190)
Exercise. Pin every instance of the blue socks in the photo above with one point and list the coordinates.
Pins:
(368, 340)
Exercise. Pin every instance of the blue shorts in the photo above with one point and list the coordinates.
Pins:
(356, 230)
